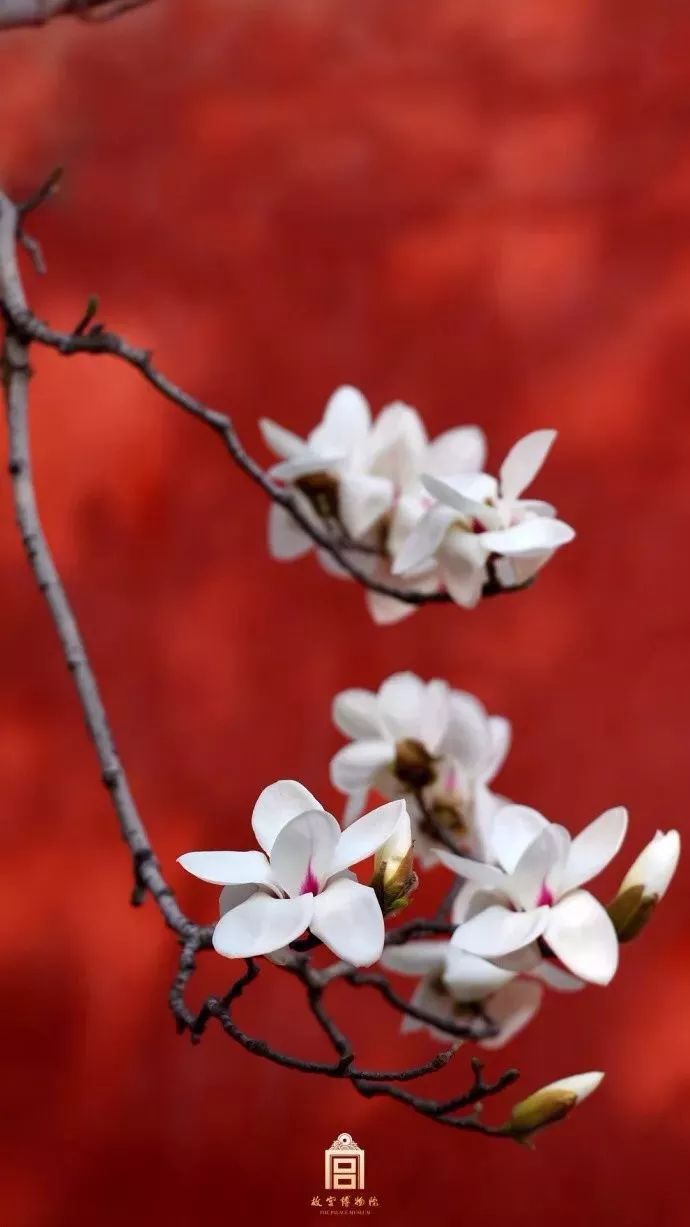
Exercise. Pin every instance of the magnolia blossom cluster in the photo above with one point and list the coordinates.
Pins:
(417, 514)
(425, 516)
(522, 916)
(525, 922)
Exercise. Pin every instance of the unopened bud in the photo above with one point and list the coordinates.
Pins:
(645, 883)
(394, 878)
(550, 1104)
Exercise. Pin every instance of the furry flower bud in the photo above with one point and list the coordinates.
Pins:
(645, 883)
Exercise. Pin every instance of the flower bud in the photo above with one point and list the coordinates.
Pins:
(394, 878)
(645, 883)
(551, 1103)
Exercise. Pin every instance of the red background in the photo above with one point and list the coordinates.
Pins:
(483, 209)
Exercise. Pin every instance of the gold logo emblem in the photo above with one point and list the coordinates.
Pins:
(344, 1164)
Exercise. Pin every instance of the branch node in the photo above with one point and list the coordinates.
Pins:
(83, 323)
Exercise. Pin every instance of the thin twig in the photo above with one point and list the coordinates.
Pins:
(100, 341)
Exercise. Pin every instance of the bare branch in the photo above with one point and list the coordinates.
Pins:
(97, 341)
(21, 327)
(17, 13)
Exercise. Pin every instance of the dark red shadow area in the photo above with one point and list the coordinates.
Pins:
(479, 208)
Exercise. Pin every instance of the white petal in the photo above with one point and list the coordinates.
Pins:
(227, 868)
(487, 876)
(512, 1008)
(283, 442)
(424, 539)
(434, 714)
(408, 510)
(556, 977)
(397, 444)
(345, 423)
(655, 866)
(581, 935)
(367, 834)
(468, 736)
(467, 493)
(277, 804)
(348, 919)
(462, 567)
(513, 830)
(593, 848)
(470, 978)
(528, 537)
(518, 569)
(261, 924)
(353, 768)
(530, 874)
(470, 900)
(580, 1085)
(562, 841)
(523, 961)
(397, 847)
(302, 855)
(386, 610)
(537, 507)
(427, 997)
(485, 806)
(362, 501)
(498, 931)
(415, 958)
(355, 713)
(354, 806)
(286, 540)
(524, 461)
(232, 896)
(308, 461)
(401, 699)
(500, 736)
(461, 450)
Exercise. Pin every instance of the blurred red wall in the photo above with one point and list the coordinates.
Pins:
(483, 209)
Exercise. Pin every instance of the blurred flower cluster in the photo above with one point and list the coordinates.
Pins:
(416, 514)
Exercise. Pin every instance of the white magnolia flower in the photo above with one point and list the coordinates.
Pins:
(316, 468)
(455, 987)
(427, 741)
(365, 478)
(539, 874)
(477, 518)
(552, 1102)
(396, 453)
(300, 880)
(645, 884)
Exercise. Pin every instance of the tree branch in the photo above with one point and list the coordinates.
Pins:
(17, 13)
(97, 341)
(21, 328)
